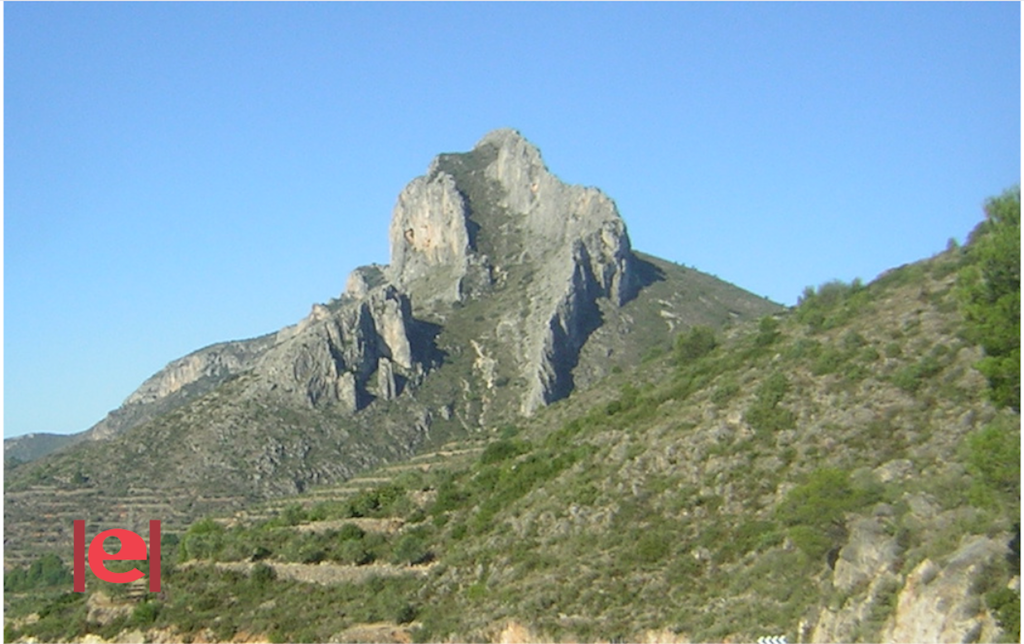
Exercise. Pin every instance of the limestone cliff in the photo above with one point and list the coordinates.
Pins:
(330, 356)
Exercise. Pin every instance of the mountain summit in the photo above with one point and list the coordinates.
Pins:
(480, 221)
(507, 290)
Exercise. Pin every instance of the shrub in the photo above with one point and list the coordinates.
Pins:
(813, 541)
(405, 614)
(293, 514)
(831, 304)
(993, 458)
(376, 502)
(1005, 603)
(353, 552)
(651, 547)
(145, 614)
(829, 361)
(349, 532)
(694, 344)
(725, 391)
(205, 539)
(47, 570)
(911, 377)
(765, 414)
(411, 548)
(823, 499)
(502, 450)
(815, 511)
(767, 331)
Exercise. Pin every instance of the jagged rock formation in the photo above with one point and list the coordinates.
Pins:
(330, 356)
(817, 478)
(429, 236)
(569, 241)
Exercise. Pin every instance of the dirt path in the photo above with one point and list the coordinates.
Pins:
(325, 573)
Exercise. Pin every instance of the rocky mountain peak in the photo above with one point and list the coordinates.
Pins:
(475, 214)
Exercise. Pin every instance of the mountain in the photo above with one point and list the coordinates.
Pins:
(410, 463)
(507, 290)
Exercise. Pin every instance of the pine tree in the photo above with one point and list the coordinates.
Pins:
(990, 295)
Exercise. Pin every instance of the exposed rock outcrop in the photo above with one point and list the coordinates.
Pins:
(936, 605)
(180, 382)
(476, 226)
(933, 603)
(506, 288)
(330, 356)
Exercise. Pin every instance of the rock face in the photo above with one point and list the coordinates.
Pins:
(330, 356)
(178, 383)
(933, 603)
(936, 605)
(429, 234)
(215, 362)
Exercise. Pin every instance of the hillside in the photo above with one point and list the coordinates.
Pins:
(838, 472)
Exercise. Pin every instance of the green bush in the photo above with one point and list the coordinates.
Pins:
(694, 344)
(815, 511)
(651, 547)
(502, 450)
(349, 532)
(205, 539)
(412, 548)
(831, 304)
(829, 361)
(767, 332)
(293, 514)
(1005, 603)
(262, 574)
(145, 614)
(353, 552)
(813, 541)
(764, 414)
(377, 502)
(824, 499)
(993, 458)
(911, 377)
(725, 391)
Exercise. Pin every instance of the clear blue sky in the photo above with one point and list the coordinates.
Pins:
(182, 174)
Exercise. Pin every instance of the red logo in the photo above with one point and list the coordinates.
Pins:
(133, 548)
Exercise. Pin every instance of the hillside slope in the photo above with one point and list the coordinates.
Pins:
(833, 473)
